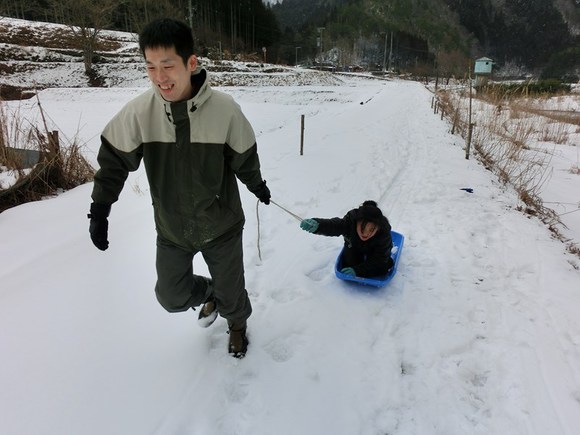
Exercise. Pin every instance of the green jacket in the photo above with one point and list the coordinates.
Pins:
(193, 151)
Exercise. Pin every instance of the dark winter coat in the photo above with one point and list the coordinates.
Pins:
(370, 258)
(193, 151)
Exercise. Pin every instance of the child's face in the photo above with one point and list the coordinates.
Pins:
(366, 231)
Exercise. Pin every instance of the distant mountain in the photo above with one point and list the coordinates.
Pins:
(523, 32)
(297, 13)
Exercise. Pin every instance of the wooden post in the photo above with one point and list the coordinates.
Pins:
(301, 134)
(455, 118)
(470, 124)
(55, 175)
(469, 133)
(53, 142)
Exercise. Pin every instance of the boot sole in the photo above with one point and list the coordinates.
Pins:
(207, 321)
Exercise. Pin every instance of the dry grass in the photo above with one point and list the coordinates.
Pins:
(12, 132)
(556, 132)
(519, 104)
(56, 39)
(61, 167)
(517, 131)
(502, 138)
(561, 116)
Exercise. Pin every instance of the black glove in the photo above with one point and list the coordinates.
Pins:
(262, 192)
(99, 225)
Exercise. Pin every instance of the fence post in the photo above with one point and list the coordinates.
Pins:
(301, 134)
(53, 142)
(470, 123)
(455, 119)
(469, 133)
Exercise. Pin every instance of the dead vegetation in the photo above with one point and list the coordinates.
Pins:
(26, 50)
(64, 37)
(504, 138)
(59, 167)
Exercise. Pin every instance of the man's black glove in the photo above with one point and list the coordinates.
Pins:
(99, 225)
(262, 192)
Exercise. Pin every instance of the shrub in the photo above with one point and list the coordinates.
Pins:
(541, 87)
(59, 167)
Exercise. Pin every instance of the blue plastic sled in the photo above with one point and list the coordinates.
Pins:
(377, 281)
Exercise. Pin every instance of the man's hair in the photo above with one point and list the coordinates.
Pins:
(167, 33)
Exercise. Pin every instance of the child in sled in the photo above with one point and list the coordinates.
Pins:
(367, 239)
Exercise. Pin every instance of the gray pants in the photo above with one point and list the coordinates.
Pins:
(178, 289)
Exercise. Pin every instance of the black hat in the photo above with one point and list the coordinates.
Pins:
(369, 212)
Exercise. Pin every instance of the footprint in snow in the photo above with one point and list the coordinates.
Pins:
(280, 350)
(285, 294)
(318, 274)
(238, 389)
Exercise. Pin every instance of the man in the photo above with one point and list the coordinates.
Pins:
(194, 142)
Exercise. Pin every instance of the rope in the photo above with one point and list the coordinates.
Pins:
(568, 212)
(295, 216)
(258, 219)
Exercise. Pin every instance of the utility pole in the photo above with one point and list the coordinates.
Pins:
(190, 15)
(385, 53)
(296, 63)
(320, 30)
(391, 53)
(470, 124)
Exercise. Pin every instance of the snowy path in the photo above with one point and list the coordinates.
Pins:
(477, 334)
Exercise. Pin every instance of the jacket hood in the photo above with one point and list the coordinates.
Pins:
(201, 89)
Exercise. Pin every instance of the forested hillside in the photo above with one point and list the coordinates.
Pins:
(440, 33)
(537, 37)
(241, 26)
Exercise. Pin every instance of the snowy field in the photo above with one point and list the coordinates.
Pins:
(478, 333)
(542, 136)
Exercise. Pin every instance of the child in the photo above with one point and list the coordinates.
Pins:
(367, 239)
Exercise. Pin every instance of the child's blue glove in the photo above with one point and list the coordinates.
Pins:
(348, 271)
(309, 225)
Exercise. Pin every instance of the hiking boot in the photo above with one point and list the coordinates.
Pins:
(238, 344)
(208, 313)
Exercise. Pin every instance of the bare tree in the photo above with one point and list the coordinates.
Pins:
(140, 12)
(87, 19)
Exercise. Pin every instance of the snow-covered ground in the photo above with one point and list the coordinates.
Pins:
(30, 58)
(478, 333)
(537, 142)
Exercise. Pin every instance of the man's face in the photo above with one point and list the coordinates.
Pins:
(166, 71)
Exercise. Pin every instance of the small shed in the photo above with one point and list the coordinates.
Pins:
(482, 70)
